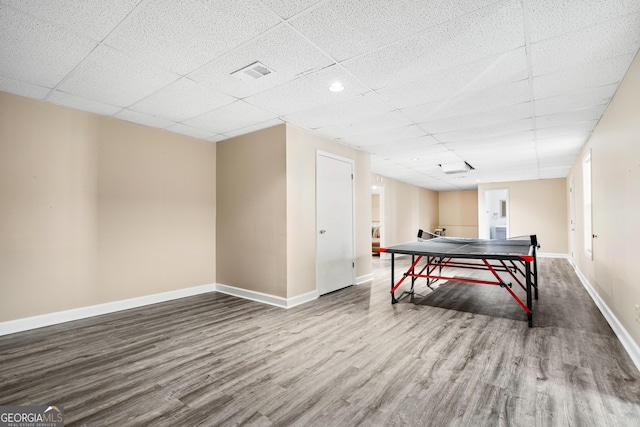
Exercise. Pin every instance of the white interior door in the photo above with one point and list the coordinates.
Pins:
(334, 216)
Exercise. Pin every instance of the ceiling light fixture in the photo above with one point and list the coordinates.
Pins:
(336, 87)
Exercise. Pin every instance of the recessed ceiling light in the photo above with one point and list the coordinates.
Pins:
(415, 159)
(336, 87)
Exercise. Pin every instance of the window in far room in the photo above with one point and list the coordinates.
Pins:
(586, 185)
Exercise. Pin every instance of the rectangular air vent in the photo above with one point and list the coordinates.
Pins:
(456, 167)
(252, 72)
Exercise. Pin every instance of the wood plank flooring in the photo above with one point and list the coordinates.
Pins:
(458, 356)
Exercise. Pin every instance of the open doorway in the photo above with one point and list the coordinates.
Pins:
(496, 203)
(377, 218)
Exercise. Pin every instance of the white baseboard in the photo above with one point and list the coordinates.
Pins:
(552, 255)
(34, 322)
(627, 341)
(364, 279)
(267, 298)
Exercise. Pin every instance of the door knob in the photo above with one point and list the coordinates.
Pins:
(323, 231)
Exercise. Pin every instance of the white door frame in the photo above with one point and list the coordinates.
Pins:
(572, 221)
(484, 231)
(320, 153)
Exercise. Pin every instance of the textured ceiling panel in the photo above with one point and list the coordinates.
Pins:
(461, 82)
(72, 101)
(182, 100)
(514, 87)
(601, 73)
(372, 124)
(489, 118)
(231, 117)
(143, 119)
(604, 42)
(114, 78)
(552, 18)
(180, 38)
(351, 110)
(275, 49)
(189, 130)
(36, 51)
(288, 8)
(22, 88)
(253, 128)
(308, 92)
(568, 118)
(349, 28)
(390, 135)
(90, 18)
(487, 131)
(482, 101)
(567, 130)
(590, 97)
(487, 32)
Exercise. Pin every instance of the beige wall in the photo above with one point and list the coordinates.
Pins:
(94, 210)
(375, 208)
(251, 218)
(458, 213)
(407, 208)
(535, 207)
(302, 147)
(615, 154)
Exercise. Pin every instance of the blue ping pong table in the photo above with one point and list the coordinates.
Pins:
(513, 259)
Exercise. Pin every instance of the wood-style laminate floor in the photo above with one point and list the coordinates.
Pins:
(460, 356)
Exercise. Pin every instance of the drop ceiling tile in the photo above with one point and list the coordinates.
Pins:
(576, 79)
(565, 160)
(253, 128)
(506, 114)
(497, 130)
(351, 110)
(348, 28)
(72, 101)
(551, 18)
(516, 138)
(275, 49)
(402, 148)
(288, 8)
(591, 97)
(23, 89)
(180, 38)
(557, 131)
(592, 44)
(390, 135)
(90, 18)
(230, 118)
(38, 52)
(189, 131)
(461, 81)
(181, 100)
(569, 118)
(494, 97)
(487, 32)
(308, 92)
(144, 119)
(115, 78)
(365, 126)
(573, 141)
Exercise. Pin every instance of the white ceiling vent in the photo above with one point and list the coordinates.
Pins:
(456, 167)
(252, 72)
